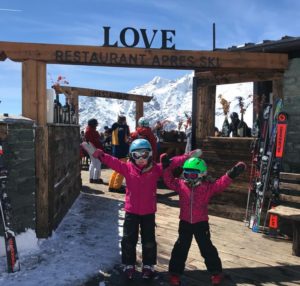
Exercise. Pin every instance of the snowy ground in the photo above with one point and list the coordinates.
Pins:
(86, 242)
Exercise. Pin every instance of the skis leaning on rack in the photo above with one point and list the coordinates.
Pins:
(258, 150)
(266, 166)
(12, 257)
(282, 123)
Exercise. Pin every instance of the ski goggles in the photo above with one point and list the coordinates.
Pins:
(188, 175)
(145, 154)
(192, 175)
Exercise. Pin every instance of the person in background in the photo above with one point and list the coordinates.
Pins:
(188, 134)
(195, 192)
(82, 136)
(107, 135)
(92, 135)
(217, 132)
(144, 131)
(158, 133)
(120, 146)
(233, 126)
(107, 139)
(84, 156)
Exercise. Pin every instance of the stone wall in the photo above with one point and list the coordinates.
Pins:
(291, 92)
(17, 136)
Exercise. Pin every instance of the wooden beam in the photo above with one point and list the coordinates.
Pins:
(217, 78)
(277, 88)
(102, 93)
(144, 58)
(204, 112)
(34, 100)
(3, 56)
(139, 107)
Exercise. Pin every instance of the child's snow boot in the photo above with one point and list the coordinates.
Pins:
(175, 280)
(148, 272)
(129, 271)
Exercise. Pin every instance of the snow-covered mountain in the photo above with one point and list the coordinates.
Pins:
(171, 100)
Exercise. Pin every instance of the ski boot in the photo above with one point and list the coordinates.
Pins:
(175, 280)
(217, 279)
(129, 271)
(148, 272)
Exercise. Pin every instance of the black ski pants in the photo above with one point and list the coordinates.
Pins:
(181, 248)
(132, 224)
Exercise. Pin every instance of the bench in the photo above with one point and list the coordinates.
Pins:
(289, 209)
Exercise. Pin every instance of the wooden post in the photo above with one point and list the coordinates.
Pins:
(34, 100)
(43, 224)
(277, 87)
(194, 111)
(139, 110)
(76, 105)
(204, 112)
(34, 106)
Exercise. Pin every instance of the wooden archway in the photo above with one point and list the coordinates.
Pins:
(35, 57)
(211, 68)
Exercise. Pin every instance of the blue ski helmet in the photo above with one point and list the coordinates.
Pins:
(143, 122)
(140, 144)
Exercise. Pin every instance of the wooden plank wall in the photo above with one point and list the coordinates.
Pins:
(221, 154)
(64, 174)
(43, 228)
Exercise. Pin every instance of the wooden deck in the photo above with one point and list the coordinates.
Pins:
(248, 258)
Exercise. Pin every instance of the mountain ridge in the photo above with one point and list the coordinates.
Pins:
(172, 99)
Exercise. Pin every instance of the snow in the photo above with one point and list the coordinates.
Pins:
(86, 242)
(172, 99)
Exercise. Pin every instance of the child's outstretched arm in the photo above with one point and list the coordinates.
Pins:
(222, 183)
(165, 160)
(110, 161)
(88, 147)
(169, 165)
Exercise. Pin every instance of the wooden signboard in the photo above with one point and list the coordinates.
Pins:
(143, 58)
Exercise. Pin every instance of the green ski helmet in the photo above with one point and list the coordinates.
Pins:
(195, 164)
(194, 169)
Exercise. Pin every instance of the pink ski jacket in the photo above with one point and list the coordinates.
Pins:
(141, 184)
(194, 201)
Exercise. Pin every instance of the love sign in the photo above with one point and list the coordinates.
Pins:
(130, 37)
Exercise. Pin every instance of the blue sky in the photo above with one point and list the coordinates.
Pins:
(80, 22)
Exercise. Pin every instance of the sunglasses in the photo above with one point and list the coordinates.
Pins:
(141, 154)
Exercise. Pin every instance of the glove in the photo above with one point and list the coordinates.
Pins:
(88, 147)
(98, 153)
(177, 171)
(238, 169)
(165, 160)
(195, 153)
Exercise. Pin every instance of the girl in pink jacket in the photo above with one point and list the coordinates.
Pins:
(141, 174)
(194, 195)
